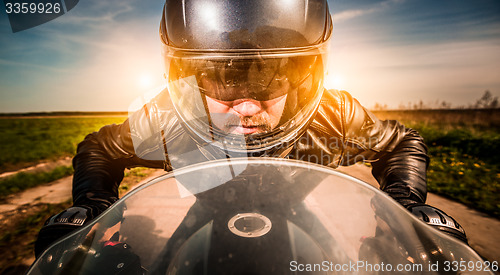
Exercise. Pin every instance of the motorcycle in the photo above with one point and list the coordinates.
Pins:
(257, 216)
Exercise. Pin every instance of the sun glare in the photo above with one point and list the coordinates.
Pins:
(145, 81)
(335, 82)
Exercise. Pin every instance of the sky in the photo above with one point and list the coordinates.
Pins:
(101, 55)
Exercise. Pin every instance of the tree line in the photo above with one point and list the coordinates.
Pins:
(486, 101)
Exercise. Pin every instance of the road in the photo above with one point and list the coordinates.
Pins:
(482, 231)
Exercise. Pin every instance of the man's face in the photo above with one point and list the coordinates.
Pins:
(246, 116)
(245, 109)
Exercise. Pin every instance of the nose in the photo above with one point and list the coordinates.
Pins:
(247, 107)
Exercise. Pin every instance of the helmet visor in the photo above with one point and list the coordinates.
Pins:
(259, 94)
(260, 79)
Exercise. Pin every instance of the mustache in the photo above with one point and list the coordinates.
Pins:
(260, 120)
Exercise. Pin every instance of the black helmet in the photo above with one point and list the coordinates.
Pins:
(269, 55)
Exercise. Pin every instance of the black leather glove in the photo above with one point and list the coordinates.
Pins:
(438, 219)
(72, 219)
(60, 225)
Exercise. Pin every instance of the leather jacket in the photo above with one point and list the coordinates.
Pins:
(342, 133)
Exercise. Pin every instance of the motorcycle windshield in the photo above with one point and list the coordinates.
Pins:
(256, 216)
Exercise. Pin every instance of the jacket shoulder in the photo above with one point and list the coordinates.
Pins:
(333, 96)
(330, 118)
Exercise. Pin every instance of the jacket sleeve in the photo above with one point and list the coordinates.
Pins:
(99, 166)
(398, 154)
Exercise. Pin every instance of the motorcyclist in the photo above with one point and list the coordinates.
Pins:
(243, 80)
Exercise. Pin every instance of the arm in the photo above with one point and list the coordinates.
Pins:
(398, 154)
(399, 160)
(402, 171)
(99, 165)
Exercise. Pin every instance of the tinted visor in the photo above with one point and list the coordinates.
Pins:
(255, 78)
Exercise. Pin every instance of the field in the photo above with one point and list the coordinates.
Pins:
(18, 229)
(463, 145)
(26, 141)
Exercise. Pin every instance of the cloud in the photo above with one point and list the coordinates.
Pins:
(99, 12)
(88, 59)
(353, 13)
(386, 51)
(453, 71)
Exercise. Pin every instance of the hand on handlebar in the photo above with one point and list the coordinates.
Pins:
(438, 219)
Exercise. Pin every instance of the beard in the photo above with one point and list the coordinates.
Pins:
(260, 123)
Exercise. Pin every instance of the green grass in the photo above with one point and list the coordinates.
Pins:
(464, 164)
(463, 147)
(28, 140)
(466, 179)
(23, 181)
